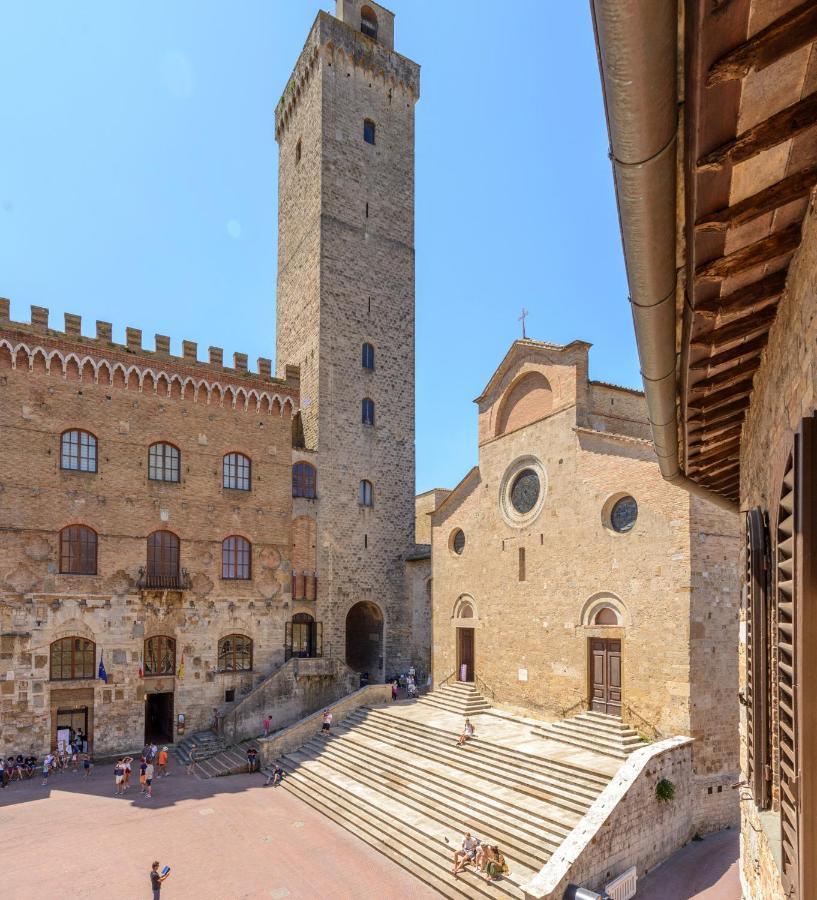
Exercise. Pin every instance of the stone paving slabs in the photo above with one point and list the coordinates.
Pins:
(224, 838)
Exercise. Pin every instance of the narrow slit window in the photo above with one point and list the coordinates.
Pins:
(298, 152)
(522, 564)
(368, 131)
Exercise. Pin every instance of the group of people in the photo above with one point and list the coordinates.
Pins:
(72, 756)
(152, 764)
(487, 859)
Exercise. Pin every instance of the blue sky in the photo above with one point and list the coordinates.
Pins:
(138, 172)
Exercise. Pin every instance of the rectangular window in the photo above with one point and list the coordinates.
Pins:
(368, 131)
(521, 563)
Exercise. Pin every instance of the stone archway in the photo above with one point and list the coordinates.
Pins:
(364, 639)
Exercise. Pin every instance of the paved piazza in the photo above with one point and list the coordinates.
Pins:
(224, 838)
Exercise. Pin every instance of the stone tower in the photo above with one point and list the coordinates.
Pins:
(345, 130)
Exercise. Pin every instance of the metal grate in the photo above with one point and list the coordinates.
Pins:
(623, 887)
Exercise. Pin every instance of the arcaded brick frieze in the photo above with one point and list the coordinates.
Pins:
(69, 355)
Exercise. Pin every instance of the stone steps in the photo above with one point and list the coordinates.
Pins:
(424, 853)
(438, 797)
(214, 758)
(544, 783)
(517, 759)
(403, 786)
(593, 731)
(457, 697)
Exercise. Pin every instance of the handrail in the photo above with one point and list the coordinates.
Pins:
(447, 678)
(656, 732)
(486, 689)
(569, 709)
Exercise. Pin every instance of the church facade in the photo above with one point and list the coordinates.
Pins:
(567, 575)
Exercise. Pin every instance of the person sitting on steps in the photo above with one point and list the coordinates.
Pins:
(495, 865)
(466, 854)
(467, 733)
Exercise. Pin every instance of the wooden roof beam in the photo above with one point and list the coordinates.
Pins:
(723, 482)
(743, 330)
(720, 400)
(779, 194)
(725, 379)
(771, 286)
(713, 451)
(775, 130)
(765, 250)
(733, 356)
(718, 417)
(729, 460)
(704, 435)
(785, 35)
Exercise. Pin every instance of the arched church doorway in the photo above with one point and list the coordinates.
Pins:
(364, 639)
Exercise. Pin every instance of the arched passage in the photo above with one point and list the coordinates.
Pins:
(364, 639)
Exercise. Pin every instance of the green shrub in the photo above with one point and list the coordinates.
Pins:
(665, 790)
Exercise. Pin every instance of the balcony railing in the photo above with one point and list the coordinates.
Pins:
(148, 581)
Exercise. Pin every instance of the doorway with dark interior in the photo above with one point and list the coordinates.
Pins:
(465, 654)
(159, 718)
(364, 640)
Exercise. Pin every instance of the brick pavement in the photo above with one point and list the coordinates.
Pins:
(224, 838)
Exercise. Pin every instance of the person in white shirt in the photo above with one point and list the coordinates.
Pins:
(149, 781)
(466, 854)
(327, 722)
(467, 733)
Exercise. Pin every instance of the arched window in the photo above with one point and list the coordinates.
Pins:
(304, 480)
(236, 558)
(78, 451)
(163, 559)
(235, 653)
(160, 655)
(368, 356)
(368, 131)
(366, 497)
(78, 550)
(163, 462)
(73, 657)
(237, 472)
(367, 411)
(368, 22)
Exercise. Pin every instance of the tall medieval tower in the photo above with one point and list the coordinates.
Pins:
(345, 315)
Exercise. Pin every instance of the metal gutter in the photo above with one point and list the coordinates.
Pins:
(637, 43)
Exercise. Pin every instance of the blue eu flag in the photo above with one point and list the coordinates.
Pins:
(102, 673)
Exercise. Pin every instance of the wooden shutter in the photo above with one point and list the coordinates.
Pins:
(757, 654)
(786, 691)
(805, 663)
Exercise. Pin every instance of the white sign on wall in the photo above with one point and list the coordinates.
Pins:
(522, 674)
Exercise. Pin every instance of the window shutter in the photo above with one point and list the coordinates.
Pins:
(787, 694)
(757, 654)
(319, 639)
(801, 873)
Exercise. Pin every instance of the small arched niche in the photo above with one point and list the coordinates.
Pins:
(465, 609)
(606, 615)
(604, 610)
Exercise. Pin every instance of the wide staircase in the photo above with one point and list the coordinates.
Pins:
(403, 786)
(214, 757)
(594, 731)
(457, 697)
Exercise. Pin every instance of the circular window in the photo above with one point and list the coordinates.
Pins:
(458, 541)
(623, 514)
(522, 491)
(525, 491)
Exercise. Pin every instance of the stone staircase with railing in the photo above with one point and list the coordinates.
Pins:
(396, 778)
(594, 731)
(214, 756)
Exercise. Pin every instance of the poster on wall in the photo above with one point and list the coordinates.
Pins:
(63, 738)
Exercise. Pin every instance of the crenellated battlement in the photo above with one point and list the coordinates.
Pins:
(338, 40)
(74, 356)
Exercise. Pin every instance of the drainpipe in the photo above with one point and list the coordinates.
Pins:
(637, 43)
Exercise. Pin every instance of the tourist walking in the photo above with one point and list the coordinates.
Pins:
(191, 760)
(87, 763)
(394, 690)
(252, 757)
(127, 765)
(149, 781)
(143, 765)
(156, 879)
(119, 777)
(162, 763)
(327, 722)
(267, 725)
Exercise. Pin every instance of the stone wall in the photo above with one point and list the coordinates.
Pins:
(297, 689)
(346, 276)
(130, 399)
(424, 505)
(627, 825)
(785, 391)
(297, 735)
